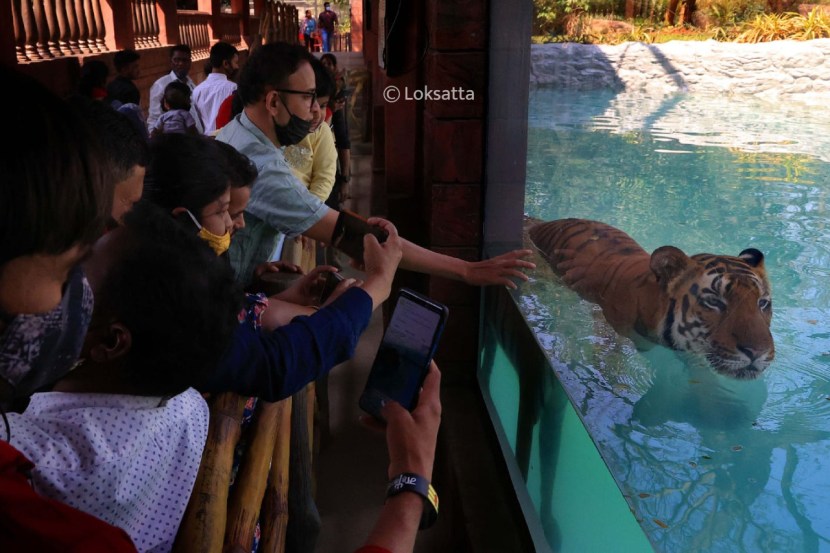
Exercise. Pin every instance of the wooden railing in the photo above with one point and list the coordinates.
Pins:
(49, 29)
(279, 23)
(341, 42)
(229, 28)
(194, 30)
(55, 28)
(145, 23)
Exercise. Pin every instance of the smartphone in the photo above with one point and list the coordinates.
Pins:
(349, 231)
(332, 280)
(405, 352)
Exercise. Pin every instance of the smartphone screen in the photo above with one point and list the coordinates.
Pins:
(405, 352)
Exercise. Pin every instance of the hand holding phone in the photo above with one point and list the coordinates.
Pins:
(332, 280)
(411, 436)
(349, 231)
(405, 352)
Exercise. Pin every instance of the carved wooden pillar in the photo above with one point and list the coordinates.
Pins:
(72, 26)
(135, 10)
(83, 28)
(168, 22)
(91, 27)
(41, 30)
(27, 17)
(100, 36)
(154, 25)
(51, 27)
(63, 27)
(19, 32)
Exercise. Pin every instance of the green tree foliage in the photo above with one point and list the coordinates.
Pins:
(585, 21)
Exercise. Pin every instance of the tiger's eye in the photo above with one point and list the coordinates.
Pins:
(713, 303)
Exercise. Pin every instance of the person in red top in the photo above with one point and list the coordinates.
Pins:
(30, 522)
(228, 109)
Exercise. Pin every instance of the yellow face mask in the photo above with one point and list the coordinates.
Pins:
(219, 243)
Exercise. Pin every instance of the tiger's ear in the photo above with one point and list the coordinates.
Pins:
(667, 262)
(753, 257)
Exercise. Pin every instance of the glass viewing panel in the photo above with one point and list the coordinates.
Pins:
(705, 463)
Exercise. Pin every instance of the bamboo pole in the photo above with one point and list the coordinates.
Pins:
(249, 488)
(203, 528)
(275, 503)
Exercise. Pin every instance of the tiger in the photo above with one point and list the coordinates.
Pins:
(719, 306)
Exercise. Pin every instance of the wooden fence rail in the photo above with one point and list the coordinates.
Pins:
(194, 30)
(145, 23)
(46, 29)
(49, 29)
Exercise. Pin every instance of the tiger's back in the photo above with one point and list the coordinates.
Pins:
(593, 258)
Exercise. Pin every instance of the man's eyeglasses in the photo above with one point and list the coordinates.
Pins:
(311, 96)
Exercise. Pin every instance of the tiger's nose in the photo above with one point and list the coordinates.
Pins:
(752, 354)
(749, 352)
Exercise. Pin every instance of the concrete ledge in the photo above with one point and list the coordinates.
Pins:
(799, 70)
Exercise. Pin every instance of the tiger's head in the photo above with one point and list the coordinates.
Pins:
(719, 306)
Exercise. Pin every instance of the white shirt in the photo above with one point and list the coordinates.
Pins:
(209, 95)
(128, 460)
(157, 93)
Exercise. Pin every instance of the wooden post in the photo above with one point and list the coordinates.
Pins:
(275, 503)
(168, 22)
(203, 528)
(11, 47)
(304, 524)
(249, 488)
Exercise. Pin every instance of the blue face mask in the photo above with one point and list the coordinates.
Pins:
(36, 350)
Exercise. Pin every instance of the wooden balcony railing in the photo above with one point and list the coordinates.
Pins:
(194, 30)
(229, 28)
(279, 23)
(50, 29)
(341, 42)
(45, 29)
(145, 23)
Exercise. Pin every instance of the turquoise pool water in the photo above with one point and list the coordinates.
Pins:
(706, 464)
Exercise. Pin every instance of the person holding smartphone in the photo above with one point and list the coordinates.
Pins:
(278, 87)
(410, 439)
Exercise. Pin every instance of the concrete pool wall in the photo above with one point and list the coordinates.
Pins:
(799, 70)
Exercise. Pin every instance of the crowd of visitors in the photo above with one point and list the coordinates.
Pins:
(126, 289)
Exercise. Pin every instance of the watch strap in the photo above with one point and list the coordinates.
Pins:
(411, 482)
